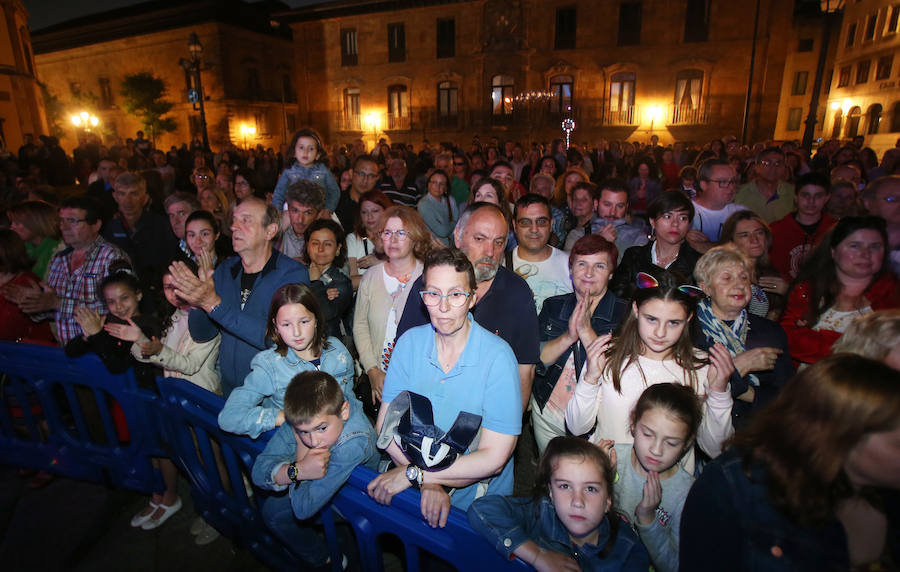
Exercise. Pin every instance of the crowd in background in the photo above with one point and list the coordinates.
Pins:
(697, 340)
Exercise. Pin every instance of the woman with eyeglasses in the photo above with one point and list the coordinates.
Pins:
(569, 323)
(437, 207)
(847, 276)
(382, 291)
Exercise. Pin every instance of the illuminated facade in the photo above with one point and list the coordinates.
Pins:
(448, 70)
(21, 104)
(864, 95)
(247, 67)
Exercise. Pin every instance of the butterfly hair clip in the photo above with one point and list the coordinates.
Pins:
(645, 280)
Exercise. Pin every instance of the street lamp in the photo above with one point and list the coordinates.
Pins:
(831, 9)
(194, 66)
(85, 120)
(247, 130)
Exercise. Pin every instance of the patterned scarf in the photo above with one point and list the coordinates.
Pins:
(733, 337)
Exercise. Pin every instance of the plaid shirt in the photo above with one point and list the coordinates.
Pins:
(80, 287)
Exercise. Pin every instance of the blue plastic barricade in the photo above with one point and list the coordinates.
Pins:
(456, 543)
(57, 414)
(222, 496)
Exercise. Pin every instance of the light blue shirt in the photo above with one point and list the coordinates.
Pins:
(484, 381)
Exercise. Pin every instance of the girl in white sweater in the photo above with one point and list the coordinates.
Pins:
(653, 346)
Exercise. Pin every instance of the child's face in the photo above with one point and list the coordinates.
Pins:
(169, 291)
(660, 324)
(200, 236)
(121, 301)
(659, 440)
(306, 151)
(323, 431)
(579, 495)
(297, 327)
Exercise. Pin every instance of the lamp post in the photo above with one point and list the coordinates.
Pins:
(247, 130)
(85, 120)
(194, 66)
(830, 8)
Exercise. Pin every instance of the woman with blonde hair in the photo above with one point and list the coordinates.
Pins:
(875, 336)
(37, 224)
(382, 291)
(565, 183)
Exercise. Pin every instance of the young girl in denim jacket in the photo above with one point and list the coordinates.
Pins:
(297, 328)
(651, 485)
(309, 154)
(570, 524)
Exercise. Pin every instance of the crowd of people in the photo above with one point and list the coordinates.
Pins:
(695, 344)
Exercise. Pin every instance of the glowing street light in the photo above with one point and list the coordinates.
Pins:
(247, 130)
(85, 120)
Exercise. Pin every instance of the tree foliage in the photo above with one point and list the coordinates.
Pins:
(53, 107)
(143, 97)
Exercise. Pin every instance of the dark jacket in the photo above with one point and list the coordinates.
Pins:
(333, 310)
(761, 333)
(243, 328)
(637, 259)
(729, 522)
(554, 321)
(508, 522)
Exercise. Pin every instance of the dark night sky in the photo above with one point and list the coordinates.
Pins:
(48, 12)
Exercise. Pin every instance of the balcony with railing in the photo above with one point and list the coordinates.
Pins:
(687, 115)
(624, 115)
(351, 122)
(398, 122)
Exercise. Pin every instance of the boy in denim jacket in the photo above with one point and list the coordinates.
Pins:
(312, 454)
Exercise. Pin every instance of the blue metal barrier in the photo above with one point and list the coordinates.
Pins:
(44, 423)
(220, 496)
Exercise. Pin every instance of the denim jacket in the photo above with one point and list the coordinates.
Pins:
(508, 522)
(729, 522)
(318, 173)
(251, 409)
(355, 446)
(554, 321)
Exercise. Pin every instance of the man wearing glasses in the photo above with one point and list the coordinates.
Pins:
(364, 177)
(769, 194)
(714, 204)
(504, 303)
(546, 269)
(75, 273)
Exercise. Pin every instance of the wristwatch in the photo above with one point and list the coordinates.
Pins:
(292, 472)
(414, 475)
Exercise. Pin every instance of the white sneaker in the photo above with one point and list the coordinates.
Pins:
(140, 518)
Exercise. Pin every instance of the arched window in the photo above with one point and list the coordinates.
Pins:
(853, 118)
(502, 94)
(561, 93)
(838, 122)
(398, 107)
(895, 117)
(873, 118)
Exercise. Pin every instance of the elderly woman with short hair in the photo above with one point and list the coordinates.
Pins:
(759, 346)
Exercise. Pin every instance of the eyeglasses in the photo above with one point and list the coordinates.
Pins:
(366, 175)
(890, 199)
(455, 299)
(725, 182)
(767, 163)
(241, 184)
(400, 235)
(541, 222)
(71, 221)
(202, 177)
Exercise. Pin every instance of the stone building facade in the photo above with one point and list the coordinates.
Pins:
(21, 105)
(864, 94)
(247, 75)
(447, 70)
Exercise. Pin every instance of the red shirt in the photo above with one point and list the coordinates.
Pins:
(15, 325)
(791, 245)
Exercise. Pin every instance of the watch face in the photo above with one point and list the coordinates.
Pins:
(412, 472)
(292, 472)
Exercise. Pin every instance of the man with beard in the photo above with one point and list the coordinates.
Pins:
(504, 304)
